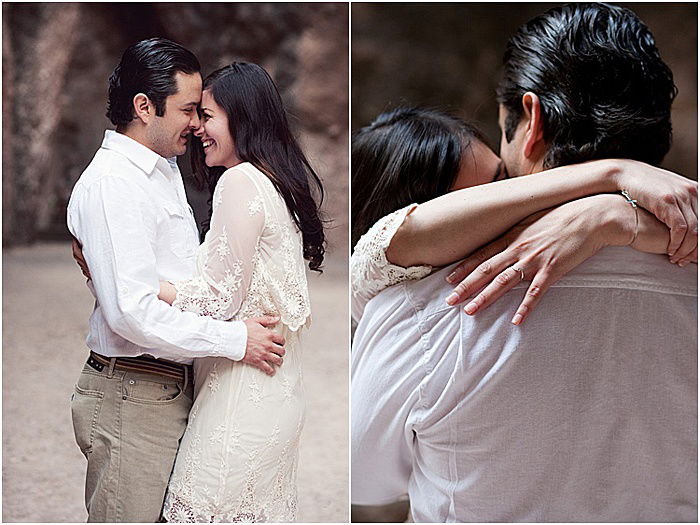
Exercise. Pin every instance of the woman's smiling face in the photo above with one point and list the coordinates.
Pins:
(219, 149)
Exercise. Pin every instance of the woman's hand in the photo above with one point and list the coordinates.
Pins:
(546, 246)
(670, 197)
(79, 258)
(168, 292)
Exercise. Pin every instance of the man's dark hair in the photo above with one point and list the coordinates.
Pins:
(604, 90)
(405, 155)
(148, 67)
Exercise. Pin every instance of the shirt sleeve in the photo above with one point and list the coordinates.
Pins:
(117, 227)
(371, 271)
(231, 249)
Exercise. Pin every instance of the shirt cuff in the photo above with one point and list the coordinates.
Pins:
(234, 338)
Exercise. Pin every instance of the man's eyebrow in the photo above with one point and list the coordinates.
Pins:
(499, 170)
(189, 104)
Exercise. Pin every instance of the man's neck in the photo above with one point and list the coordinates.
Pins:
(134, 134)
(529, 166)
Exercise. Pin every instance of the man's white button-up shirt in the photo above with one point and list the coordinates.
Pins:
(129, 211)
(587, 412)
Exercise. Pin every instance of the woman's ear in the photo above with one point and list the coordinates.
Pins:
(534, 132)
(143, 108)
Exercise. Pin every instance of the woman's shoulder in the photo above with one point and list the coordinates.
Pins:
(244, 170)
(247, 174)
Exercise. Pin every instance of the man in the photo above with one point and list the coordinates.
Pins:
(129, 211)
(586, 412)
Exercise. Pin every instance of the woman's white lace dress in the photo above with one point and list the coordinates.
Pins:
(370, 270)
(237, 460)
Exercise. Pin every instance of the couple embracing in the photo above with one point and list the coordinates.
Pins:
(191, 404)
(565, 389)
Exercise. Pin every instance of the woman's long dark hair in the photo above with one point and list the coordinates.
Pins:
(406, 155)
(258, 125)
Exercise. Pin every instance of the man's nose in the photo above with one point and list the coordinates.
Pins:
(195, 122)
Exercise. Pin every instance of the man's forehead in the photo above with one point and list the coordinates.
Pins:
(189, 88)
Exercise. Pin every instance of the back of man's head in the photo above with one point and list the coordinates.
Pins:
(603, 88)
(147, 67)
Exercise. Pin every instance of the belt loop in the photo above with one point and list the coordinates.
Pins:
(110, 370)
(187, 373)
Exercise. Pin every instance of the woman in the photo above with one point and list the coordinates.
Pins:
(421, 199)
(237, 460)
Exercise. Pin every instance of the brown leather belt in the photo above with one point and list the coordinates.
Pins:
(142, 363)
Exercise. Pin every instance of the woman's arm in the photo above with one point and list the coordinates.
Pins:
(236, 226)
(548, 245)
(450, 227)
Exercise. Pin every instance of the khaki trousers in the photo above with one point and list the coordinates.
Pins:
(128, 425)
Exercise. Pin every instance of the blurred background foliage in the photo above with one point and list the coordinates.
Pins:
(448, 56)
(57, 58)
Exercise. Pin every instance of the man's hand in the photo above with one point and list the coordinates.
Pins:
(264, 347)
(78, 256)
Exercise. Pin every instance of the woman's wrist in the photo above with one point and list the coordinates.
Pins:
(617, 219)
(617, 172)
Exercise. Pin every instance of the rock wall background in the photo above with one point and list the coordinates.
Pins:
(449, 56)
(57, 59)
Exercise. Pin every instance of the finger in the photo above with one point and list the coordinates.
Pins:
(540, 283)
(480, 277)
(469, 264)
(279, 350)
(265, 367)
(275, 359)
(675, 220)
(691, 257)
(267, 320)
(277, 339)
(503, 282)
(690, 239)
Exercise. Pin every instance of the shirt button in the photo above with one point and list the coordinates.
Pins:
(131, 381)
(124, 289)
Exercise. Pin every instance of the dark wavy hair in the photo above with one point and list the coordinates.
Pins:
(147, 67)
(405, 155)
(603, 88)
(258, 125)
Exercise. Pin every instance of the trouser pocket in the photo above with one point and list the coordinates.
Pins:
(85, 410)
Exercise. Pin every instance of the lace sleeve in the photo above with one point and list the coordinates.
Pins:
(229, 251)
(371, 271)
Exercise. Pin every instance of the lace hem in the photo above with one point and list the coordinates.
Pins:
(177, 510)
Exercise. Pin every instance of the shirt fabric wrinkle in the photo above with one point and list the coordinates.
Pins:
(129, 210)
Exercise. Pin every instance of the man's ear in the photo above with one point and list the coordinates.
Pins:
(534, 131)
(143, 108)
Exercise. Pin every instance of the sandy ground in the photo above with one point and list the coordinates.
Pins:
(45, 312)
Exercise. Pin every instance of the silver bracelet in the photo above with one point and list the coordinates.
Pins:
(632, 202)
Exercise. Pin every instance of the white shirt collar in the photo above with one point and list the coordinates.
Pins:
(143, 157)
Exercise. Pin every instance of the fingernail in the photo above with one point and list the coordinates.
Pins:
(451, 278)
(670, 254)
(517, 318)
(682, 264)
(452, 299)
(470, 308)
(674, 260)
